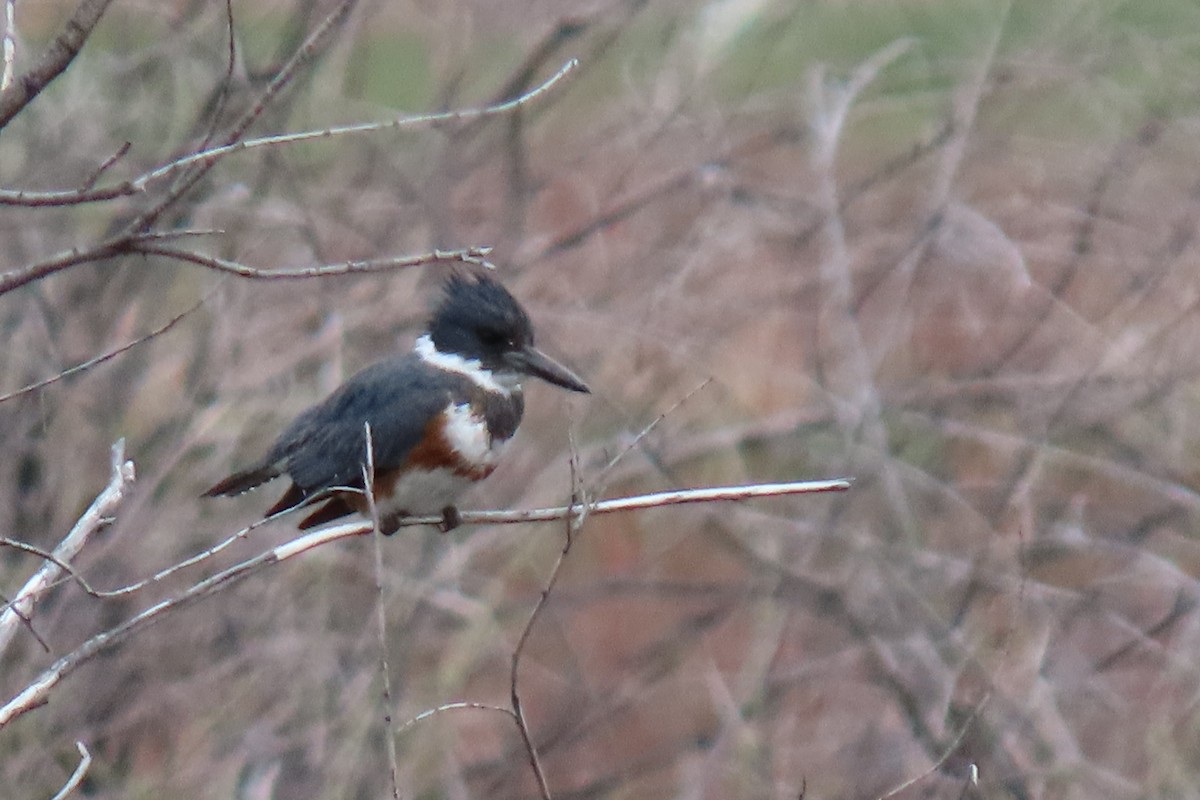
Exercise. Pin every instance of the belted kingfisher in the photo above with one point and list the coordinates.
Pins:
(439, 416)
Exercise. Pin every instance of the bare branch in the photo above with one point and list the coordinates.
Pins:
(127, 241)
(86, 194)
(111, 354)
(463, 706)
(677, 497)
(573, 524)
(105, 165)
(846, 361)
(174, 233)
(385, 673)
(10, 43)
(467, 517)
(62, 51)
(637, 440)
(209, 156)
(92, 520)
(138, 244)
(470, 255)
(15, 279)
(165, 573)
(157, 577)
(305, 53)
(218, 107)
(457, 116)
(46, 555)
(85, 761)
(949, 751)
(26, 621)
(37, 692)
(69, 197)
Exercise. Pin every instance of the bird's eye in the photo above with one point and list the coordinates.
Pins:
(493, 337)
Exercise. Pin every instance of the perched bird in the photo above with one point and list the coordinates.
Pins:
(439, 416)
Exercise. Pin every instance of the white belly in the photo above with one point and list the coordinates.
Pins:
(423, 492)
(433, 484)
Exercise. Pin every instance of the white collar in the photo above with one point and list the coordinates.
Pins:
(499, 382)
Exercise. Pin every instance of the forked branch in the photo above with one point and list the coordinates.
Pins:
(100, 511)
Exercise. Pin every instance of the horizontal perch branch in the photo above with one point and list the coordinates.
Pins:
(672, 498)
(37, 692)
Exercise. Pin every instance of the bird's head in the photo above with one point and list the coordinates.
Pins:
(478, 320)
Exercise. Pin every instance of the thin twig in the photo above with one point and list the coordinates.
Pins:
(68, 197)
(101, 509)
(174, 233)
(541, 52)
(105, 165)
(462, 706)
(368, 473)
(111, 354)
(607, 468)
(36, 693)
(456, 116)
(14, 197)
(132, 243)
(306, 52)
(27, 622)
(572, 524)
(845, 358)
(971, 781)
(124, 242)
(949, 751)
(218, 107)
(16, 278)
(163, 574)
(470, 255)
(46, 555)
(85, 761)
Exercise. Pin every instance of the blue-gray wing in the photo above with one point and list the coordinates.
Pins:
(326, 445)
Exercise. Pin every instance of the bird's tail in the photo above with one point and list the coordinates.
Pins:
(246, 480)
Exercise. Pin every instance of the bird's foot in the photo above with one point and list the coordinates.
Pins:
(390, 523)
(450, 519)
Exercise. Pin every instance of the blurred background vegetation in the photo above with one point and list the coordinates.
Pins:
(974, 291)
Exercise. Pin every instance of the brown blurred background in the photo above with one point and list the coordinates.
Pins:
(946, 247)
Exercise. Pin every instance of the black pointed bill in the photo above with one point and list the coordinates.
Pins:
(534, 362)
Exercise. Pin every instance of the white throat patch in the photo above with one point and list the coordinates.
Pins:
(469, 367)
(468, 435)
